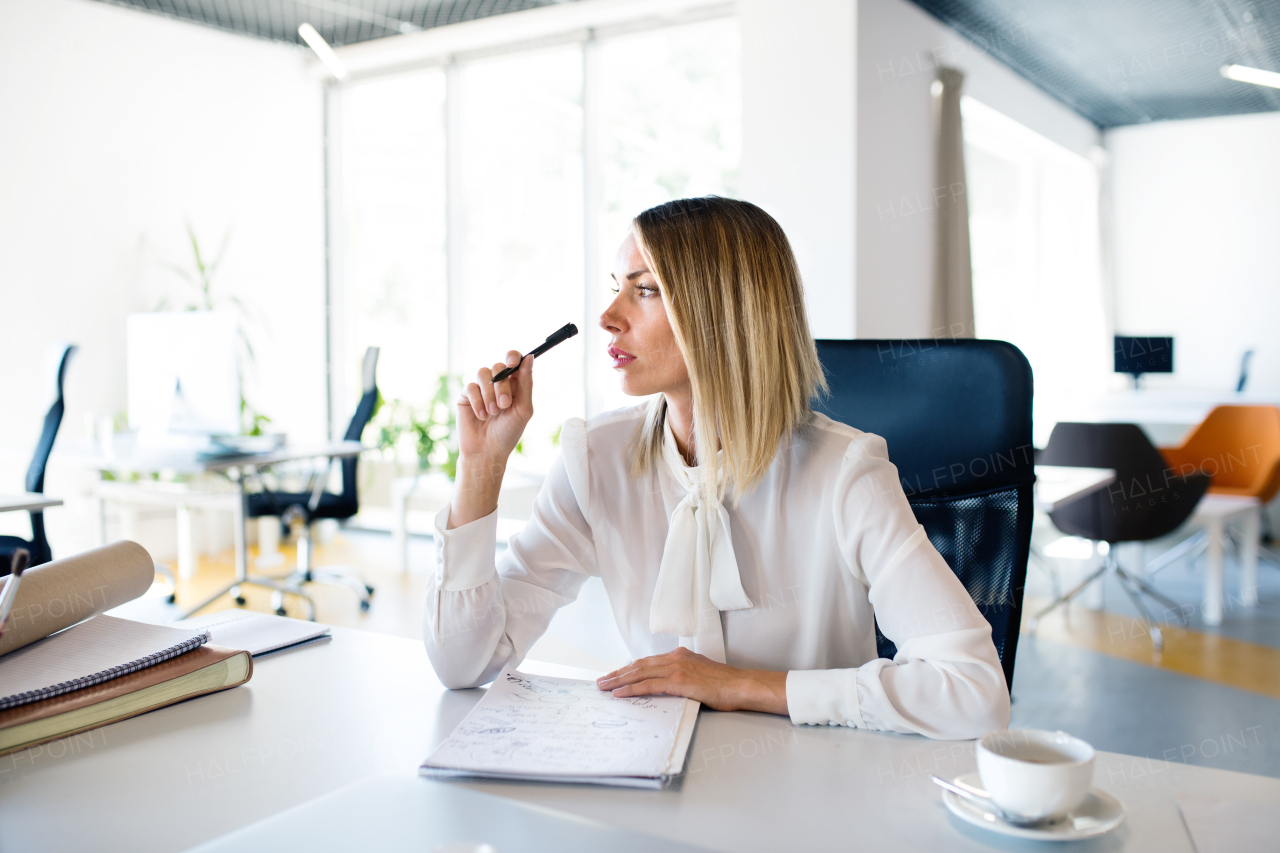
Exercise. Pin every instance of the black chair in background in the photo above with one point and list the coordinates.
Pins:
(1147, 501)
(956, 415)
(38, 545)
(297, 510)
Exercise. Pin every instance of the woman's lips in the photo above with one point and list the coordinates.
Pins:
(621, 358)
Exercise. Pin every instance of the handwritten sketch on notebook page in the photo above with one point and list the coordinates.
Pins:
(533, 725)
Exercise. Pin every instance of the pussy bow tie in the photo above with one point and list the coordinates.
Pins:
(698, 576)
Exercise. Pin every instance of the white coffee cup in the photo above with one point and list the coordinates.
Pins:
(1034, 773)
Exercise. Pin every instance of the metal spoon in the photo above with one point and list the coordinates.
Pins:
(983, 797)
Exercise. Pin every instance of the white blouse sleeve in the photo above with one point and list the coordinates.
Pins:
(478, 616)
(946, 680)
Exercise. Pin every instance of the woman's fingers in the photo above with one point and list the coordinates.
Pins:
(501, 390)
(648, 687)
(645, 668)
(524, 384)
(484, 378)
(475, 397)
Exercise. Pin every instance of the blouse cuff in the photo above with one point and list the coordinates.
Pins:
(465, 555)
(824, 697)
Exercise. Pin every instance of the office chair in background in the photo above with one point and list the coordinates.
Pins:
(38, 544)
(297, 510)
(1148, 500)
(956, 415)
(1240, 446)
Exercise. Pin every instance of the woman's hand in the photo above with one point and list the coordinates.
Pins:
(693, 676)
(492, 415)
(491, 418)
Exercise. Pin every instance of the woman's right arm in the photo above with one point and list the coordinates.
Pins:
(478, 620)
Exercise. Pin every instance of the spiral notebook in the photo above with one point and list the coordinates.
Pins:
(539, 728)
(96, 650)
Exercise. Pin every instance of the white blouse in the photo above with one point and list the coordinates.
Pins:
(825, 542)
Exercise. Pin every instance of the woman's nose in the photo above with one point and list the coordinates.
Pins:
(612, 320)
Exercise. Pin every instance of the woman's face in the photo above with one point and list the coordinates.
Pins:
(642, 347)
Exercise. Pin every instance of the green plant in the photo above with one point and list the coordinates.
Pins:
(433, 427)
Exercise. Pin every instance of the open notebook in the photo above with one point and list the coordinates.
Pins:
(96, 650)
(541, 728)
(257, 633)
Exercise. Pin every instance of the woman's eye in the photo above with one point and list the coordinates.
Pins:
(613, 288)
(646, 291)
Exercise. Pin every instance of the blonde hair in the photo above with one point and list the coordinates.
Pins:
(733, 295)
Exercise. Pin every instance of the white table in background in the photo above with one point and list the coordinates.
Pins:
(147, 461)
(320, 718)
(27, 501)
(515, 503)
(1216, 513)
(1169, 406)
(1059, 485)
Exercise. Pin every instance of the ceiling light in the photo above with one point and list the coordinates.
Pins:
(1245, 74)
(326, 54)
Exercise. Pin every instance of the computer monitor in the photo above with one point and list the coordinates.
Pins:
(1137, 356)
(184, 385)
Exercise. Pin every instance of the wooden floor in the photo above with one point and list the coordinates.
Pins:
(397, 599)
(1223, 660)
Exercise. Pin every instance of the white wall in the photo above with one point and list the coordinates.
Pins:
(799, 117)
(1197, 244)
(118, 126)
(899, 46)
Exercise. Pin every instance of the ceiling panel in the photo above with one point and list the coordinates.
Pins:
(1115, 62)
(339, 21)
(1120, 62)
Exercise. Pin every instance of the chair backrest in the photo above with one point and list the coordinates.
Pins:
(1149, 497)
(60, 358)
(956, 415)
(364, 411)
(1239, 446)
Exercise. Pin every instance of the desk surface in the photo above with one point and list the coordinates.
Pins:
(1162, 405)
(320, 718)
(27, 501)
(152, 460)
(1058, 485)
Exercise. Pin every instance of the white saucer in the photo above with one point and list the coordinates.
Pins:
(1100, 812)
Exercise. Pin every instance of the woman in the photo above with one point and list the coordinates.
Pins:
(743, 577)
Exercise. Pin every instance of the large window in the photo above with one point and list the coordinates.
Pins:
(521, 212)
(1037, 283)
(391, 196)
(670, 126)
(481, 203)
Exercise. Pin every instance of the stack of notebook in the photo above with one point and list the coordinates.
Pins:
(107, 669)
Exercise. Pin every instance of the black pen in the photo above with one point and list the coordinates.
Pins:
(568, 330)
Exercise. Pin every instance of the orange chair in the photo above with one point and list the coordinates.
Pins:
(1239, 446)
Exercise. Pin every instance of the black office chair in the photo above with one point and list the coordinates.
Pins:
(956, 415)
(1146, 501)
(296, 510)
(38, 544)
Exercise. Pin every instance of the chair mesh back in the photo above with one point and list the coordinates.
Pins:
(978, 536)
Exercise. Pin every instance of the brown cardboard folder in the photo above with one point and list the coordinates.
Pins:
(206, 669)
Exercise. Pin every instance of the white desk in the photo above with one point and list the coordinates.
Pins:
(143, 460)
(317, 719)
(29, 501)
(515, 505)
(1058, 485)
(1177, 407)
(1216, 512)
